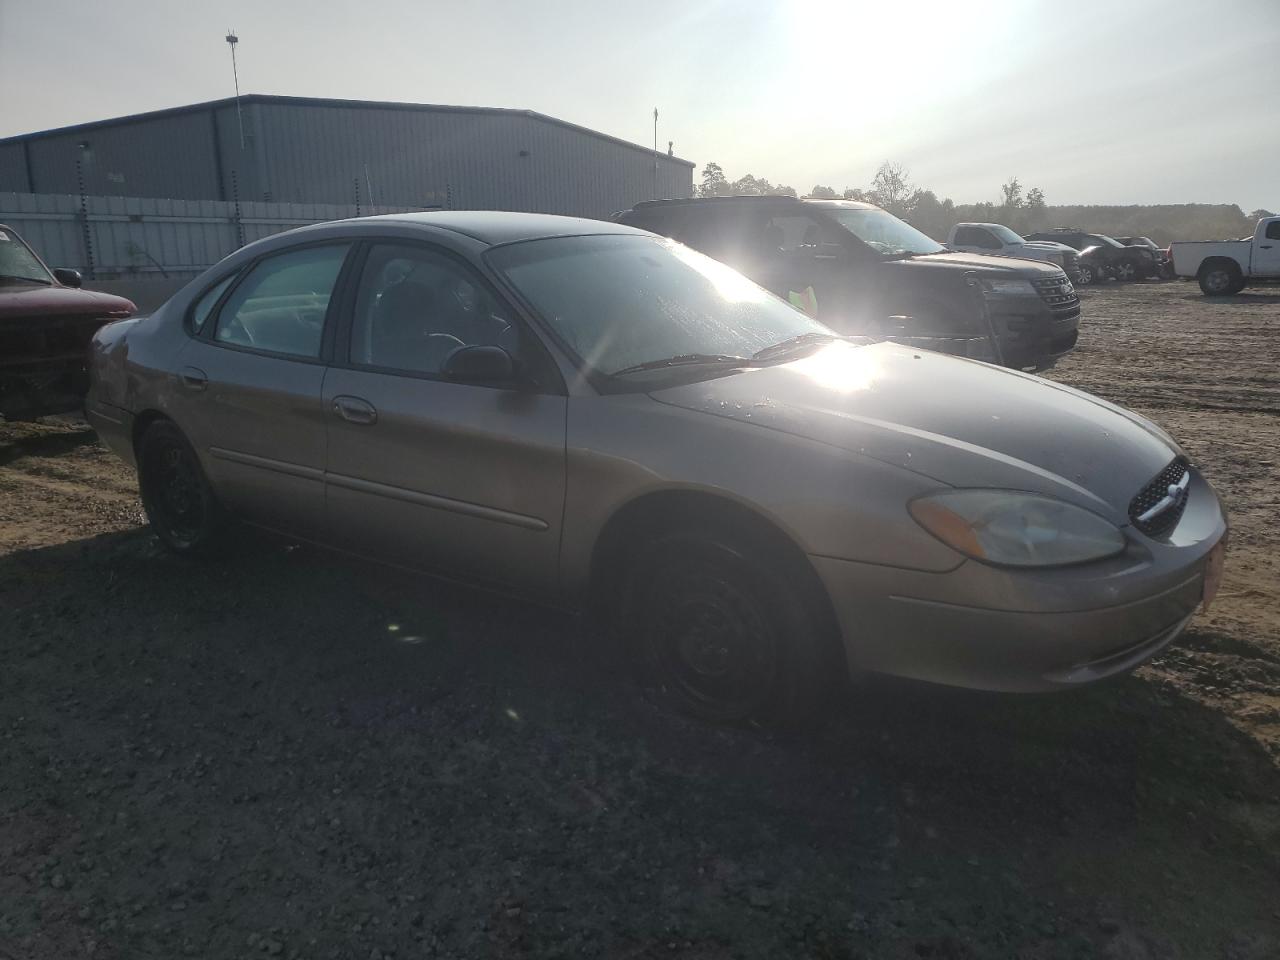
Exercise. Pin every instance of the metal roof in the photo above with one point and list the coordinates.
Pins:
(252, 98)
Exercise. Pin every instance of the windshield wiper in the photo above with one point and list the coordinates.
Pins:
(8, 276)
(792, 343)
(684, 359)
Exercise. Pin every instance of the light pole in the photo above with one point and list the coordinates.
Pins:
(232, 40)
(655, 153)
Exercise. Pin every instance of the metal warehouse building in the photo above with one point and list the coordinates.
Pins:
(304, 150)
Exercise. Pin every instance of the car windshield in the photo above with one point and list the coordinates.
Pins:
(19, 263)
(1109, 241)
(1005, 234)
(621, 301)
(884, 232)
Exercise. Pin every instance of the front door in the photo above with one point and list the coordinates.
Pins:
(463, 479)
(1266, 252)
(250, 384)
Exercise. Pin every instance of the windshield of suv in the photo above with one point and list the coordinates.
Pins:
(883, 232)
(19, 263)
(1005, 234)
(620, 301)
(1108, 240)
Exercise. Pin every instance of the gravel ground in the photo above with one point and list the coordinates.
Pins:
(286, 755)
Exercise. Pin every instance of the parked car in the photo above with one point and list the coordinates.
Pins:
(1162, 253)
(600, 418)
(1121, 262)
(46, 322)
(1226, 267)
(997, 240)
(862, 270)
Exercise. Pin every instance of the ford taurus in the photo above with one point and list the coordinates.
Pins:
(603, 419)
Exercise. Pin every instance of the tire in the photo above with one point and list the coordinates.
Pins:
(723, 636)
(1088, 275)
(180, 504)
(1220, 280)
(1126, 271)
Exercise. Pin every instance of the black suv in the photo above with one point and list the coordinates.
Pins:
(1121, 262)
(861, 270)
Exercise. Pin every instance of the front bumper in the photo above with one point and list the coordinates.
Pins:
(1033, 335)
(993, 628)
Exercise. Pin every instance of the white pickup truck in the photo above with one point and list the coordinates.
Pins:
(1225, 267)
(997, 240)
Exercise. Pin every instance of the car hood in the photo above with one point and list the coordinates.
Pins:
(959, 422)
(31, 299)
(1049, 245)
(984, 264)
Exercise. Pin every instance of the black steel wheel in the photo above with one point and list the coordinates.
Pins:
(179, 503)
(720, 636)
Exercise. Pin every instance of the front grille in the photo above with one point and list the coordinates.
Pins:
(1156, 492)
(1057, 292)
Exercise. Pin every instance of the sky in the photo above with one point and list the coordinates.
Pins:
(1093, 101)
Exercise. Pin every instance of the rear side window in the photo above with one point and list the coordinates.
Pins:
(976, 237)
(204, 306)
(281, 304)
(1273, 230)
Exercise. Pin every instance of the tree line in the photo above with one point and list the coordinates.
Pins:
(1023, 210)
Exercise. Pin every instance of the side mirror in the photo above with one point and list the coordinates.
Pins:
(68, 277)
(482, 363)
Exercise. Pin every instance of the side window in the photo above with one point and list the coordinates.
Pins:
(280, 306)
(965, 237)
(800, 235)
(415, 307)
(987, 241)
(1273, 230)
(204, 306)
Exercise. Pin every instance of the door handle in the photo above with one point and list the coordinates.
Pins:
(355, 410)
(193, 378)
(1266, 246)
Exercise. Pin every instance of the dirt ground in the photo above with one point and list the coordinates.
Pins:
(287, 755)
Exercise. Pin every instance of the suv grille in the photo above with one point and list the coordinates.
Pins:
(1156, 496)
(1056, 291)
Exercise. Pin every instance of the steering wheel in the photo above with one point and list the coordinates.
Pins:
(439, 346)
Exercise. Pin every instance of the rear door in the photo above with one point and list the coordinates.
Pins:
(463, 479)
(249, 390)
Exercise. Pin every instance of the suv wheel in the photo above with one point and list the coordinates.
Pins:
(1127, 270)
(1088, 275)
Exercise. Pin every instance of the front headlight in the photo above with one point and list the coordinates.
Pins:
(1010, 288)
(1016, 529)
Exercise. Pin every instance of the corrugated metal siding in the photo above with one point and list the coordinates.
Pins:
(165, 157)
(143, 236)
(13, 168)
(335, 153)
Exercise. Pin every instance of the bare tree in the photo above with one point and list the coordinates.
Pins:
(891, 189)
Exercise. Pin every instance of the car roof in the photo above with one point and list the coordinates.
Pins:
(753, 200)
(500, 226)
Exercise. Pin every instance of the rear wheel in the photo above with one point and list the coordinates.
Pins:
(1220, 280)
(722, 636)
(176, 495)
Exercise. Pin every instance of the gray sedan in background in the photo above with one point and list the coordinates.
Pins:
(598, 418)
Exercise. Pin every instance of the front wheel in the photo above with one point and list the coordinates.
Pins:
(1088, 275)
(723, 636)
(1126, 271)
(176, 495)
